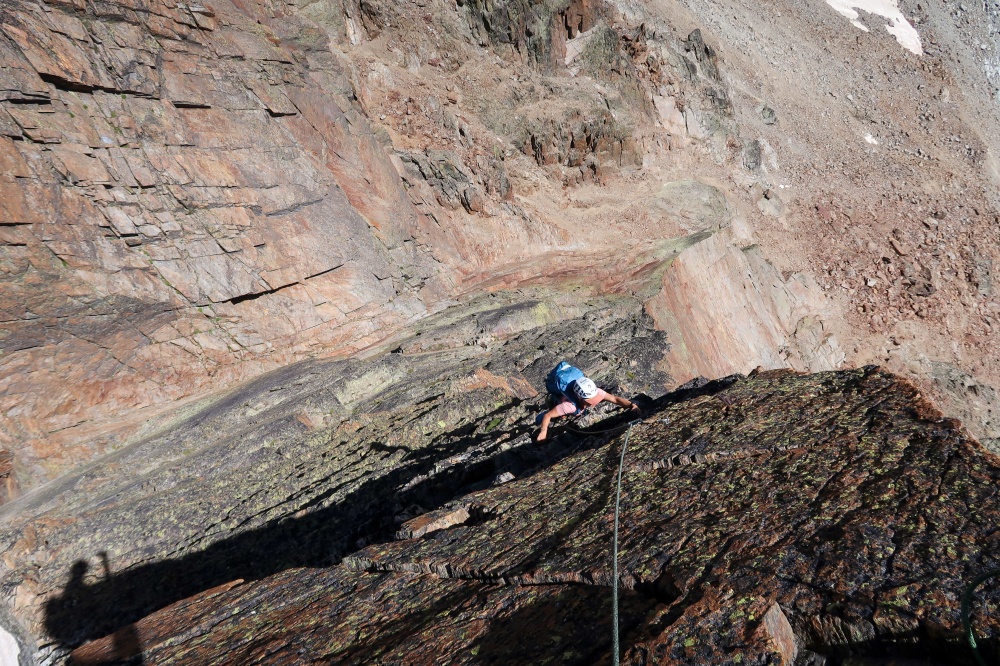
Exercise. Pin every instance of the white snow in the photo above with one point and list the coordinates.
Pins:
(870, 139)
(898, 26)
(9, 649)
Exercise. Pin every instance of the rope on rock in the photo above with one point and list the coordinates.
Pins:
(606, 430)
(967, 612)
(598, 432)
(614, 561)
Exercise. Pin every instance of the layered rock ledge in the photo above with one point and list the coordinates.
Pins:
(192, 194)
(775, 518)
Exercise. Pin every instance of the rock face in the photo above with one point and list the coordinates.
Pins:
(194, 194)
(777, 518)
(396, 509)
(185, 202)
(332, 453)
(724, 307)
(279, 283)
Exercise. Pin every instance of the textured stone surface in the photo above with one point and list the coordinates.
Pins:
(727, 308)
(301, 466)
(416, 618)
(192, 195)
(835, 515)
(190, 201)
(352, 498)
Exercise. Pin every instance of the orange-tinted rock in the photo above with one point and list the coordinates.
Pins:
(433, 522)
(152, 220)
(234, 187)
(775, 627)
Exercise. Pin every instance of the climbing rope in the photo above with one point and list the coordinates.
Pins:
(614, 560)
(604, 431)
(967, 611)
(599, 432)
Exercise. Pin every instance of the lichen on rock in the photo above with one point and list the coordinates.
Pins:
(836, 515)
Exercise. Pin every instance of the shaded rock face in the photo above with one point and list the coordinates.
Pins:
(538, 31)
(777, 518)
(395, 509)
(310, 463)
(192, 195)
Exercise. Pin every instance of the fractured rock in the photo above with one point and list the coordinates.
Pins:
(333, 451)
(433, 522)
(836, 510)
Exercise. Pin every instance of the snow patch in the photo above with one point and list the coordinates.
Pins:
(870, 139)
(898, 26)
(9, 649)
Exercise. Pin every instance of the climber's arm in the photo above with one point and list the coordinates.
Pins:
(543, 432)
(622, 402)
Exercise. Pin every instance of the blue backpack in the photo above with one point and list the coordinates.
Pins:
(559, 380)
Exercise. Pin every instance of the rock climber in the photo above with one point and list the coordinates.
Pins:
(573, 392)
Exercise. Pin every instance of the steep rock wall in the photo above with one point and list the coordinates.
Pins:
(185, 202)
(776, 518)
(193, 195)
(726, 308)
(866, 170)
(302, 464)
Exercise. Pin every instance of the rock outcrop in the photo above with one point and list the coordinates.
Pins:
(194, 194)
(279, 283)
(396, 509)
(301, 465)
(777, 518)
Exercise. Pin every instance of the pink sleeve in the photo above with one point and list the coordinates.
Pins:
(565, 407)
(602, 394)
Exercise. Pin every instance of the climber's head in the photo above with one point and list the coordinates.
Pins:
(586, 390)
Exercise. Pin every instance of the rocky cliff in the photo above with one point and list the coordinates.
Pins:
(396, 510)
(279, 283)
(185, 203)
(193, 194)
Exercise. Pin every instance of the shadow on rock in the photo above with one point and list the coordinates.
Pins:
(564, 624)
(85, 611)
